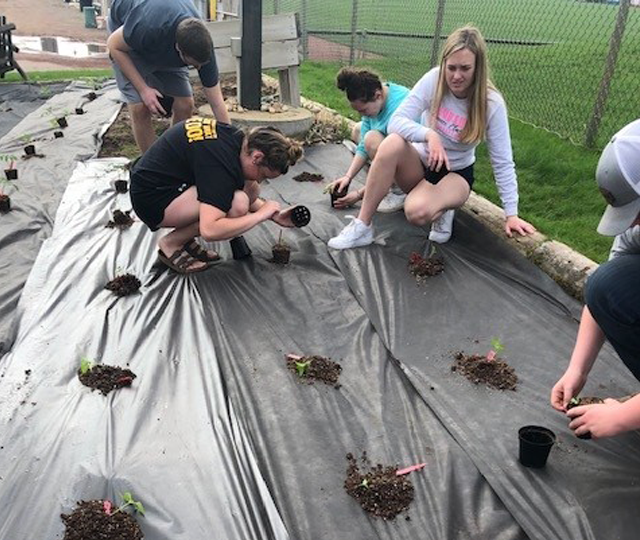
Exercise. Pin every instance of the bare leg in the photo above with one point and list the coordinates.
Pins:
(182, 109)
(141, 125)
(426, 202)
(396, 160)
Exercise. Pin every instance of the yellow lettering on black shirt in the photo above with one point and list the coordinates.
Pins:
(200, 129)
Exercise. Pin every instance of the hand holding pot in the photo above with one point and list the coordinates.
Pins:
(601, 420)
(283, 217)
(569, 386)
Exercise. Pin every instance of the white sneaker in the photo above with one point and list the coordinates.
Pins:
(442, 227)
(392, 202)
(355, 234)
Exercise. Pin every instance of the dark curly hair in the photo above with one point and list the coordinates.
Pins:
(358, 83)
(279, 151)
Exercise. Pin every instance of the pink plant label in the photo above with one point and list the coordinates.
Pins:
(491, 356)
(410, 469)
(107, 507)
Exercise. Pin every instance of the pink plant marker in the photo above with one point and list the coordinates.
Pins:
(410, 469)
(491, 356)
(107, 507)
(295, 357)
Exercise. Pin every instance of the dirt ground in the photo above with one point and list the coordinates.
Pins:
(54, 18)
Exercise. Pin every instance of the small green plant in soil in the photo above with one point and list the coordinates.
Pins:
(379, 490)
(281, 251)
(120, 220)
(10, 172)
(422, 268)
(5, 200)
(103, 377)
(310, 369)
(487, 369)
(308, 177)
(579, 401)
(124, 285)
(96, 519)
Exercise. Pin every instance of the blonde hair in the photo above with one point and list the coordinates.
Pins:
(280, 152)
(467, 37)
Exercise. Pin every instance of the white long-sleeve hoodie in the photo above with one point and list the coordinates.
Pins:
(451, 119)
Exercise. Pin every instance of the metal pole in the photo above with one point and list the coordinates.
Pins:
(304, 36)
(276, 7)
(609, 68)
(251, 56)
(435, 45)
(354, 30)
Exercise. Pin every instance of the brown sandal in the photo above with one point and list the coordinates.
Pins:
(180, 262)
(198, 252)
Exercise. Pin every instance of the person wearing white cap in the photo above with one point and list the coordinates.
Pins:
(612, 295)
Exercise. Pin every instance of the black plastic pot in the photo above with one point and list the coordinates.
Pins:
(122, 186)
(335, 195)
(281, 254)
(79, 110)
(58, 134)
(300, 216)
(535, 445)
(62, 122)
(5, 204)
(11, 174)
(91, 96)
(30, 150)
(239, 248)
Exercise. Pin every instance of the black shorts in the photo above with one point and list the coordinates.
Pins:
(434, 177)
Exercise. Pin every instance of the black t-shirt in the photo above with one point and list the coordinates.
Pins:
(196, 152)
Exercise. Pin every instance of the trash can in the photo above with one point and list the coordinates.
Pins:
(90, 17)
(85, 3)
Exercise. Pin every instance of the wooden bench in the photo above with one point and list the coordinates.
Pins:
(280, 44)
(7, 49)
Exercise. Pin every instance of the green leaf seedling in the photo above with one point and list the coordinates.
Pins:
(301, 368)
(496, 347)
(365, 483)
(128, 500)
(85, 366)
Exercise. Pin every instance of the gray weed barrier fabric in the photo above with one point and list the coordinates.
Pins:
(219, 440)
(42, 179)
(17, 100)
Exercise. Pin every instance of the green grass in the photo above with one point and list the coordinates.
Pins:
(553, 86)
(556, 178)
(61, 75)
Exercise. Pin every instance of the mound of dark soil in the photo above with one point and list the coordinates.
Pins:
(281, 253)
(379, 490)
(90, 521)
(124, 285)
(308, 177)
(317, 368)
(422, 268)
(494, 373)
(106, 378)
(121, 220)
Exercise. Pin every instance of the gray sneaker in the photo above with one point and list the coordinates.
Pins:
(355, 234)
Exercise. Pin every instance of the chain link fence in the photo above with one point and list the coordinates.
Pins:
(569, 66)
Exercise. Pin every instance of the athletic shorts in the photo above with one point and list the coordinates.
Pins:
(434, 177)
(150, 204)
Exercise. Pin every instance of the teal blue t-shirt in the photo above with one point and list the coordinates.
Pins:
(396, 95)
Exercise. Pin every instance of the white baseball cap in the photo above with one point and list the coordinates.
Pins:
(618, 177)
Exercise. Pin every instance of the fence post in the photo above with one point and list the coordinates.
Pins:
(354, 31)
(435, 46)
(251, 55)
(276, 7)
(609, 68)
(304, 35)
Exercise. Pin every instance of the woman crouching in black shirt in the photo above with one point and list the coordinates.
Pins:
(202, 178)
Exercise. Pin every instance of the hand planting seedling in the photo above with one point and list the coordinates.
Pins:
(103, 377)
(97, 519)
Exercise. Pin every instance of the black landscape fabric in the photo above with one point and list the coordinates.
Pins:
(217, 438)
